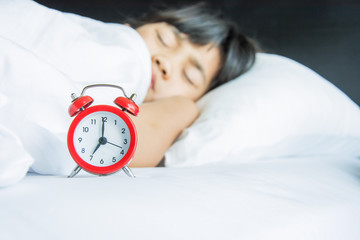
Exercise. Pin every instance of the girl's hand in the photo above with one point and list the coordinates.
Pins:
(158, 124)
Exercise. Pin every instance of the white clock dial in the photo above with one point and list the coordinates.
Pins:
(102, 138)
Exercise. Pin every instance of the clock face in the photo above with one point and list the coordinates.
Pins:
(102, 139)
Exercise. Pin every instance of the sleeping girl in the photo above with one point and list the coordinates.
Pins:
(169, 58)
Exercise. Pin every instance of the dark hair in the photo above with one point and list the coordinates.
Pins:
(204, 25)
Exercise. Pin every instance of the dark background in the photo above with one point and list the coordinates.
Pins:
(321, 34)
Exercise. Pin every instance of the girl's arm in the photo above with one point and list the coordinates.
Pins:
(158, 124)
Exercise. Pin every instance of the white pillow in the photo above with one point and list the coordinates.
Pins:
(278, 108)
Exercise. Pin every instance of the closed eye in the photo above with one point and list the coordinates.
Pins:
(161, 39)
(188, 79)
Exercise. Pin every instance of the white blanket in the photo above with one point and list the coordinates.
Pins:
(45, 55)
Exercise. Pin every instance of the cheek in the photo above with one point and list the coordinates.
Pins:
(185, 91)
(171, 88)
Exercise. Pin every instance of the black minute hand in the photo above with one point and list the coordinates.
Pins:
(103, 127)
(101, 140)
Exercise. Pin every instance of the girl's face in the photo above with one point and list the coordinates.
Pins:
(179, 67)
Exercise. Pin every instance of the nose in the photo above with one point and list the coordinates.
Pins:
(163, 65)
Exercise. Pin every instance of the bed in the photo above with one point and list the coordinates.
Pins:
(282, 198)
(274, 154)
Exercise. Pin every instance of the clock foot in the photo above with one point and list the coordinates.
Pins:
(128, 171)
(75, 171)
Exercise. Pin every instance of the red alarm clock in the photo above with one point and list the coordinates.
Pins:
(102, 139)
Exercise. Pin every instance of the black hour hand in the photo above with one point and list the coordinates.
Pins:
(97, 147)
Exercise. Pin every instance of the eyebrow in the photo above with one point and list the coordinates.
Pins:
(195, 62)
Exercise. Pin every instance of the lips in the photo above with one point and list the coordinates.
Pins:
(153, 80)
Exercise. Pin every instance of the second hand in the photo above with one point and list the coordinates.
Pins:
(114, 145)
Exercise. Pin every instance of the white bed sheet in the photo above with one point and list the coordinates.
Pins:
(288, 198)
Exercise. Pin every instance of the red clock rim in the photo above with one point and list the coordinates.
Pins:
(108, 169)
